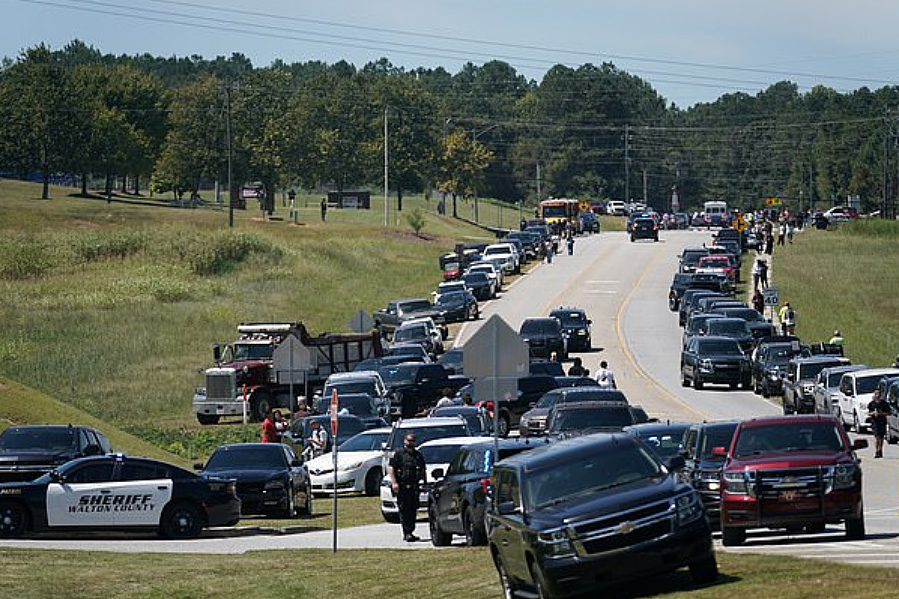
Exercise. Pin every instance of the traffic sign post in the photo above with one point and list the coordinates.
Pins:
(771, 295)
(361, 322)
(740, 224)
(334, 405)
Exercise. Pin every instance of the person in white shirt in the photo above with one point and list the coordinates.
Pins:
(605, 377)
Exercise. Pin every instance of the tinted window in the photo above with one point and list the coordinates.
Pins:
(90, 473)
(803, 436)
(415, 306)
(143, 471)
(612, 467)
(583, 419)
(810, 371)
(727, 327)
(248, 457)
(543, 326)
(867, 384)
(439, 454)
(366, 442)
(719, 346)
(428, 433)
(716, 437)
(53, 439)
(252, 351)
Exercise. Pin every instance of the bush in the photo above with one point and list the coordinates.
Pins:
(103, 245)
(224, 250)
(22, 258)
(416, 220)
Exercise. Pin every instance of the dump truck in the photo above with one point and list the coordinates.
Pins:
(270, 364)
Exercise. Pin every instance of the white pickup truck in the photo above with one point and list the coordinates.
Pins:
(856, 390)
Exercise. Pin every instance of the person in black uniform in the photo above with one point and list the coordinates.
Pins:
(878, 409)
(405, 469)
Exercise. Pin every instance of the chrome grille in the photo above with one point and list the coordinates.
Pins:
(625, 528)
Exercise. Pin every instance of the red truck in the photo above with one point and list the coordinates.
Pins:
(792, 472)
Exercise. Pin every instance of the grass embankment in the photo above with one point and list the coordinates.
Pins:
(461, 574)
(845, 279)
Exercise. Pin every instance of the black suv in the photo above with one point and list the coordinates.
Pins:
(456, 502)
(26, 452)
(544, 337)
(708, 359)
(769, 363)
(591, 512)
(575, 327)
(703, 468)
(644, 228)
(533, 422)
(572, 419)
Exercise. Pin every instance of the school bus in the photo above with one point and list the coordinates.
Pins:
(559, 210)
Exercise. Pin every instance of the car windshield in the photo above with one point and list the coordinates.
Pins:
(400, 374)
(810, 371)
(782, 437)
(569, 318)
(411, 350)
(408, 333)
(723, 347)
(612, 467)
(728, 328)
(588, 418)
(833, 379)
(716, 437)
(542, 326)
(365, 442)
(246, 458)
(747, 314)
(423, 434)
(496, 251)
(439, 454)
(343, 388)
(252, 351)
(44, 439)
(357, 405)
(665, 444)
(454, 298)
(416, 306)
(548, 400)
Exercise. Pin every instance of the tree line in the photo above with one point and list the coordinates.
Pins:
(137, 123)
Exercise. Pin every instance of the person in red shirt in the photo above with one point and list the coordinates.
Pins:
(269, 432)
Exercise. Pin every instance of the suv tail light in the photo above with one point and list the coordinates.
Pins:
(485, 485)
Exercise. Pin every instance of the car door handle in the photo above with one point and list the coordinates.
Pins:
(107, 491)
(162, 488)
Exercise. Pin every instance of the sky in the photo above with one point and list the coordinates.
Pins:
(689, 51)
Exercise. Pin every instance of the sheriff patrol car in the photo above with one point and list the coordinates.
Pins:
(116, 492)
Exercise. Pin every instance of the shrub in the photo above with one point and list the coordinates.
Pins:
(103, 245)
(416, 220)
(220, 253)
(22, 258)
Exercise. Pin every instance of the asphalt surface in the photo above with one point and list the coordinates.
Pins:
(624, 287)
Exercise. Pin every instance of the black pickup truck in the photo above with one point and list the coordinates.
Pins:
(415, 387)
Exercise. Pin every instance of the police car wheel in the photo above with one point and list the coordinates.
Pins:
(13, 520)
(290, 511)
(306, 510)
(181, 521)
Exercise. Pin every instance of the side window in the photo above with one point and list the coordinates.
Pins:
(690, 442)
(83, 439)
(132, 471)
(846, 386)
(508, 490)
(457, 466)
(91, 473)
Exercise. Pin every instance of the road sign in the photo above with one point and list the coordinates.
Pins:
(740, 223)
(334, 416)
(772, 202)
(771, 295)
(496, 350)
(361, 322)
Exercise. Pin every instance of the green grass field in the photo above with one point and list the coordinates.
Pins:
(456, 573)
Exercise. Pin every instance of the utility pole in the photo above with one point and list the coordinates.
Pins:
(386, 173)
(645, 194)
(538, 183)
(228, 134)
(627, 164)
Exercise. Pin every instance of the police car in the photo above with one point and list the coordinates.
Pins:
(115, 492)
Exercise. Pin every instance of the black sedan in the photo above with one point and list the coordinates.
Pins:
(115, 492)
(457, 306)
(271, 479)
(711, 359)
(479, 285)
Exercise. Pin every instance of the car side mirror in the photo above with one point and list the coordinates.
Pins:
(719, 452)
(384, 446)
(437, 473)
(507, 508)
(859, 444)
(57, 477)
(198, 465)
(676, 463)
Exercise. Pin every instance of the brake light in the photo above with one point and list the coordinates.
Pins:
(485, 485)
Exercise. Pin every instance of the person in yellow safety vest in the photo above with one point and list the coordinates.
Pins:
(837, 339)
(787, 317)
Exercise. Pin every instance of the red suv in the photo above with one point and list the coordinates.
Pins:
(790, 472)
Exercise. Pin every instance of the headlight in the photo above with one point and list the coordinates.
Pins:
(688, 507)
(705, 366)
(556, 543)
(710, 481)
(350, 466)
(842, 476)
(739, 483)
(274, 485)
(808, 389)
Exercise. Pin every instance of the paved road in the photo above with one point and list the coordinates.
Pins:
(623, 286)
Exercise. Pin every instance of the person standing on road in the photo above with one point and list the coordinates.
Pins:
(577, 368)
(269, 431)
(758, 301)
(787, 317)
(549, 252)
(324, 207)
(878, 409)
(405, 469)
(605, 377)
(570, 243)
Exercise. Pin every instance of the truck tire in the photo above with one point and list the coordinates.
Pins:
(13, 520)
(208, 418)
(260, 405)
(855, 528)
(504, 424)
(181, 520)
(439, 538)
(731, 537)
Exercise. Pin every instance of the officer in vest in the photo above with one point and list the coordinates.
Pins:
(406, 469)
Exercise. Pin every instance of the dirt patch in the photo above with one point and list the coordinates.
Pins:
(409, 235)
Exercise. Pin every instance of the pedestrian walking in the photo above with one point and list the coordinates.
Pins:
(269, 431)
(549, 252)
(758, 301)
(878, 409)
(605, 377)
(405, 470)
(570, 244)
(763, 273)
(782, 233)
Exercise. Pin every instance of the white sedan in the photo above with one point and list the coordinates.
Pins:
(437, 454)
(358, 465)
